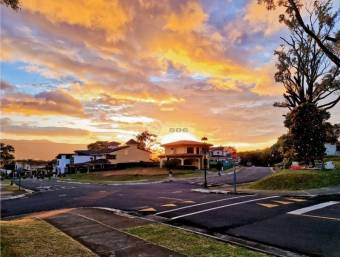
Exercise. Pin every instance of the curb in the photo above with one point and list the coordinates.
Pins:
(209, 191)
(28, 192)
(115, 184)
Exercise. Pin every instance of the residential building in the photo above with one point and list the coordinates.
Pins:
(91, 160)
(63, 160)
(334, 148)
(82, 156)
(130, 152)
(30, 165)
(187, 152)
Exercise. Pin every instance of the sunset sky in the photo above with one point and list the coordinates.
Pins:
(81, 71)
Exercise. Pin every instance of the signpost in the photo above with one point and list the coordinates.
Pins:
(234, 178)
(205, 151)
(205, 163)
(19, 174)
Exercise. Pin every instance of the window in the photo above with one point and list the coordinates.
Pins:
(110, 156)
(197, 150)
(338, 147)
(190, 150)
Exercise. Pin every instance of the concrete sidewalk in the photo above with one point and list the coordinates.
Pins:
(102, 231)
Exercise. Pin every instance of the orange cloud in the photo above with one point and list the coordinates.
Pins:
(134, 92)
(190, 17)
(46, 103)
(109, 16)
(262, 20)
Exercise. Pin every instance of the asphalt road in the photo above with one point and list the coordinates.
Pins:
(261, 218)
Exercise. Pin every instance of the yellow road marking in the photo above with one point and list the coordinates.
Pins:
(268, 205)
(169, 205)
(172, 198)
(320, 217)
(148, 210)
(282, 202)
(296, 199)
(188, 202)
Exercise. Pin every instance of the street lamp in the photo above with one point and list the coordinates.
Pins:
(205, 161)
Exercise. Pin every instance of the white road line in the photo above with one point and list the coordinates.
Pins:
(223, 206)
(312, 208)
(199, 204)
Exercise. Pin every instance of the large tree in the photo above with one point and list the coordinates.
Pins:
(6, 154)
(310, 78)
(303, 68)
(307, 131)
(146, 140)
(326, 36)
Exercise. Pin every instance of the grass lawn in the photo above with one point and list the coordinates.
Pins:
(132, 174)
(35, 238)
(7, 188)
(298, 180)
(189, 244)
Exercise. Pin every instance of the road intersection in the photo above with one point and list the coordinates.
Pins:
(305, 225)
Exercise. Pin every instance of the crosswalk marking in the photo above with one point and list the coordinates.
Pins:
(282, 202)
(313, 208)
(199, 204)
(268, 205)
(223, 206)
(169, 205)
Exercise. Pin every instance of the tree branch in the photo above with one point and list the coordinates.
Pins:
(324, 48)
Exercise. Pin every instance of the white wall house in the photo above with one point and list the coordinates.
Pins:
(29, 165)
(83, 156)
(332, 149)
(63, 159)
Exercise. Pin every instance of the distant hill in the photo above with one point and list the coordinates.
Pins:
(40, 149)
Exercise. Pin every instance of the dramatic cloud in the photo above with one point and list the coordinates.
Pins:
(78, 71)
(47, 103)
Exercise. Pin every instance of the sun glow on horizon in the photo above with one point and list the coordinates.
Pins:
(176, 136)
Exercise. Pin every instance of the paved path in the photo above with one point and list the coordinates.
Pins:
(103, 232)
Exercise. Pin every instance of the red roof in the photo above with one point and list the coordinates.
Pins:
(186, 142)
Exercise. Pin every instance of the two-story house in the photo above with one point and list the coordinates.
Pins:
(188, 152)
(130, 152)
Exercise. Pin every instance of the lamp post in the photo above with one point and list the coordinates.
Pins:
(205, 161)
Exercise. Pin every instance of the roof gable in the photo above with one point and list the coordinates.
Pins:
(132, 142)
